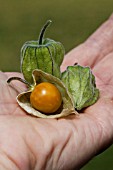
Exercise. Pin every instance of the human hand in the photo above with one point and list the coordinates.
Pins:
(68, 143)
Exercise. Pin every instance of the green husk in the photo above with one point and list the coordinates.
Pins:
(80, 82)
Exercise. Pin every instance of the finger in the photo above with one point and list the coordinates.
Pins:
(104, 70)
(19, 86)
(7, 94)
(102, 40)
(94, 49)
(9, 91)
(13, 74)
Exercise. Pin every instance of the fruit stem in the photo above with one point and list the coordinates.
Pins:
(43, 31)
(19, 79)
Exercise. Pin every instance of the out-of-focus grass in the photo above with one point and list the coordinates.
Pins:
(101, 162)
(73, 22)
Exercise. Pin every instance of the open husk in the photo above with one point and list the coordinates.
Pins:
(67, 106)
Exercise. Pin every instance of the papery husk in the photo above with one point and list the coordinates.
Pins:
(81, 84)
(39, 76)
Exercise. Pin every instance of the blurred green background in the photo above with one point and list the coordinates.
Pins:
(73, 22)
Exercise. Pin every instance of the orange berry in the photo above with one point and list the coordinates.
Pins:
(46, 98)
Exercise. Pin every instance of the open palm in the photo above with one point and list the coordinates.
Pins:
(29, 143)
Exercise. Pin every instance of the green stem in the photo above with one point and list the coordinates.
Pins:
(19, 79)
(43, 31)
